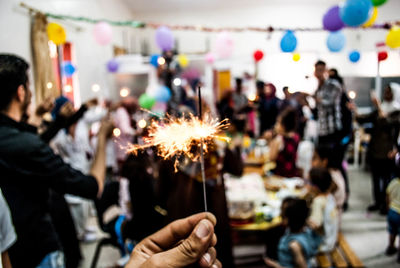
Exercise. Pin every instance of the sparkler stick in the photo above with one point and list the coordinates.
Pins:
(203, 175)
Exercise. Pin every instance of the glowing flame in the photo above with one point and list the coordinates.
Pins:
(175, 137)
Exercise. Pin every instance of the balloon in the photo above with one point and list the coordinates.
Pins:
(164, 38)
(223, 46)
(102, 32)
(336, 41)
(355, 12)
(146, 101)
(372, 19)
(154, 60)
(258, 55)
(56, 33)
(377, 3)
(296, 57)
(393, 37)
(383, 55)
(332, 21)
(210, 58)
(68, 69)
(288, 42)
(163, 94)
(354, 56)
(112, 65)
(183, 60)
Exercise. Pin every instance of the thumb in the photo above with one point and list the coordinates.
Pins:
(189, 250)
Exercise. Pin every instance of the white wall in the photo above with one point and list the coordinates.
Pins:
(91, 57)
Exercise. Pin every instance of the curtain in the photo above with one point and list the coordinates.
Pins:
(42, 63)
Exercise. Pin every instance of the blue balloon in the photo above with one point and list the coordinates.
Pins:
(354, 56)
(163, 94)
(288, 42)
(336, 41)
(68, 69)
(154, 60)
(355, 12)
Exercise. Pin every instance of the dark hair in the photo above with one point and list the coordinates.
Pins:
(330, 153)
(296, 212)
(13, 73)
(288, 119)
(321, 178)
(285, 88)
(260, 84)
(320, 62)
(335, 75)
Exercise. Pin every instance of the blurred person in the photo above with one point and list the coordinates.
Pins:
(381, 149)
(389, 104)
(226, 106)
(30, 169)
(300, 243)
(241, 105)
(268, 107)
(283, 147)
(393, 216)
(324, 215)
(7, 233)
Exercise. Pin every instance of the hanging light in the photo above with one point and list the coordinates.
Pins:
(142, 123)
(95, 87)
(124, 92)
(49, 85)
(177, 82)
(68, 88)
(116, 132)
(161, 61)
(352, 94)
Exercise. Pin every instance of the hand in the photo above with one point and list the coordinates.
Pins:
(181, 243)
(91, 103)
(67, 110)
(106, 128)
(45, 107)
(392, 154)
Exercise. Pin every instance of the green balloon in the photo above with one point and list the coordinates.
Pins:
(377, 3)
(146, 101)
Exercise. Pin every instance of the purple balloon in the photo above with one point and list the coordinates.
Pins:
(112, 65)
(164, 38)
(332, 21)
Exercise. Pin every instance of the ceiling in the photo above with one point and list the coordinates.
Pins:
(148, 6)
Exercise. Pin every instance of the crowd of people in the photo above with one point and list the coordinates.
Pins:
(60, 165)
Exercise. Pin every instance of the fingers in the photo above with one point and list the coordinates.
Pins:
(191, 249)
(209, 258)
(178, 230)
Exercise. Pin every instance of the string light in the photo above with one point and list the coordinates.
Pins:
(68, 88)
(142, 123)
(252, 97)
(124, 92)
(177, 82)
(352, 94)
(49, 85)
(95, 87)
(116, 132)
(161, 61)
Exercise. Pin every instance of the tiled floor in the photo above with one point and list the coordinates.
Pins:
(365, 232)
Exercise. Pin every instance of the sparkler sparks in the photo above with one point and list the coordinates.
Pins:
(176, 137)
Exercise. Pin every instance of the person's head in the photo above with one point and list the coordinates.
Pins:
(294, 213)
(58, 103)
(286, 121)
(320, 70)
(321, 179)
(286, 92)
(321, 156)
(388, 94)
(260, 87)
(130, 104)
(238, 82)
(270, 90)
(14, 83)
(334, 74)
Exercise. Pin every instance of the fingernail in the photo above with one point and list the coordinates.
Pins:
(207, 257)
(203, 229)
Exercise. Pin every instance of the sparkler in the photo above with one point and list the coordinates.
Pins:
(176, 137)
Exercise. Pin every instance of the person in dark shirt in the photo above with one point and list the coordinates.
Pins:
(30, 170)
(268, 107)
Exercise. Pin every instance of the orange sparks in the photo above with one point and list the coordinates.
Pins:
(175, 137)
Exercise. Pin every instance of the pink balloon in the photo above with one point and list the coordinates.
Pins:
(102, 33)
(223, 45)
(210, 58)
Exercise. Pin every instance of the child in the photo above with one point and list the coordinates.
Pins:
(299, 244)
(283, 147)
(393, 217)
(324, 215)
(325, 158)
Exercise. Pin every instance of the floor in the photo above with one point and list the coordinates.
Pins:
(365, 232)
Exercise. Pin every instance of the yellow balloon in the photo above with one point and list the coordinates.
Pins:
(372, 19)
(393, 37)
(296, 57)
(56, 33)
(183, 60)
